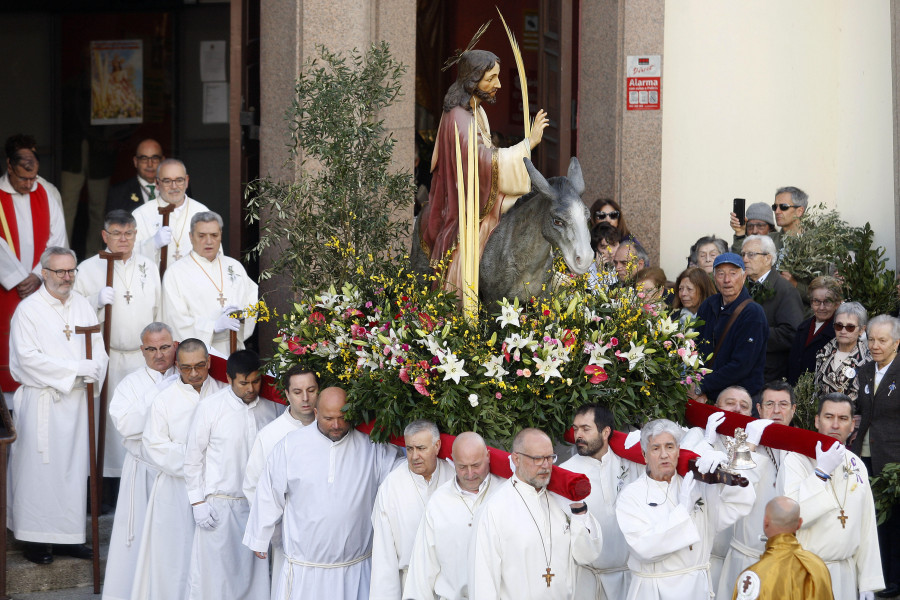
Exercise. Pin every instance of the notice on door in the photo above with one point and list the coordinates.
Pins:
(643, 82)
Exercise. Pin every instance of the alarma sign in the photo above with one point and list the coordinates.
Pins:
(643, 82)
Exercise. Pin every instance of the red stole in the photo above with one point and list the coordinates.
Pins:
(9, 299)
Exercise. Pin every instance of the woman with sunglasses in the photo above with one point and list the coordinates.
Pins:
(838, 363)
(814, 333)
(606, 210)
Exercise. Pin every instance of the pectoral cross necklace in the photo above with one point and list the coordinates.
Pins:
(548, 575)
(221, 286)
(127, 284)
(65, 319)
(842, 518)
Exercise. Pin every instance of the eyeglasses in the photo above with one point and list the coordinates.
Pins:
(752, 255)
(827, 302)
(784, 207)
(63, 272)
(191, 368)
(148, 159)
(154, 349)
(764, 227)
(849, 327)
(118, 235)
(613, 214)
(773, 404)
(170, 182)
(539, 460)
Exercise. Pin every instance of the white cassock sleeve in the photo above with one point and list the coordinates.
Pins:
(653, 538)
(385, 551)
(423, 563)
(35, 367)
(127, 412)
(484, 558)
(587, 538)
(728, 503)
(195, 455)
(12, 273)
(256, 465)
(801, 484)
(166, 454)
(267, 509)
(179, 313)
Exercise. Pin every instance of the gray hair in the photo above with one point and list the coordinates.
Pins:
(167, 162)
(118, 217)
(766, 243)
(55, 251)
(192, 345)
(798, 196)
(420, 425)
(634, 247)
(207, 216)
(156, 327)
(894, 323)
(853, 308)
(657, 427)
(719, 243)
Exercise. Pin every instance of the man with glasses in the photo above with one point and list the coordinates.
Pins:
(165, 553)
(135, 300)
(790, 204)
(141, 188)
(758, 220)
(128, 411)
(173, 181)
(31, 220)
(527, 540)
(49, 463)
(779, 299)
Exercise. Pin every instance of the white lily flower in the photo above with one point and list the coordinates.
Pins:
(666, 326)
(547, 368)
(635, 355)
(597, 356)
(494, 367)
(452, 367)
(509, 315)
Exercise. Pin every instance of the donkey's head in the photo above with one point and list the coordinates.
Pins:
(565, 222)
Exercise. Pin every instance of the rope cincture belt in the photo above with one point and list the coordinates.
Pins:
(745, 550)
(303, 563)
(685, 571)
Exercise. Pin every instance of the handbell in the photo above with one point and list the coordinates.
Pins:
(740, 453)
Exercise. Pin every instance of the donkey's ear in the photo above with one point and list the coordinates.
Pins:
(575, 177)
(538, 183)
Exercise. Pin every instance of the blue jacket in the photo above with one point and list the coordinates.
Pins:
(742, 357)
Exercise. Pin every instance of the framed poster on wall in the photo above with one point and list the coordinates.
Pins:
(117, 82)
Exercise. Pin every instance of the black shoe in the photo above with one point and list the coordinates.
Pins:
(73, 550)
(890, 591)
(38, 554)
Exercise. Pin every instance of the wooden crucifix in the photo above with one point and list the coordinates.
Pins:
(110, 258)
(96, 486)
(165, 211)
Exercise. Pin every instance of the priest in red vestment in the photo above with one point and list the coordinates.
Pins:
(501, 171)
(31, 219)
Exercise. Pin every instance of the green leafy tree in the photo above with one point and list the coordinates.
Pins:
(867, 279)
(346, 194)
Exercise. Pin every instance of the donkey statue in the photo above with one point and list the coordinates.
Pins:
(518, 255)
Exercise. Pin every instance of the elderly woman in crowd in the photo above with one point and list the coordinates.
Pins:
(812, 334)
(705, 251)
(652, 282)
(692, 287)
(605, 240)
(606, 210)
(838, 363)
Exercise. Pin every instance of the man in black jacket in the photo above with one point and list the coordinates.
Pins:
(740, 342)
(779, 299)
(141, 188)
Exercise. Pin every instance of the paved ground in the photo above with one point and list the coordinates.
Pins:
(82, 593)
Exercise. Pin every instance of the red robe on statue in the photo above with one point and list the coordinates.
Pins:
(501, 176)
(9, 299)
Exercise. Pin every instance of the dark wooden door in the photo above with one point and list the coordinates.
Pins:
(555, 70)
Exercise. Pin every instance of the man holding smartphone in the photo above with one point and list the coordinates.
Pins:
(760, 220)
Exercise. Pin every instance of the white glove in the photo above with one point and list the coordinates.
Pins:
(224, 322)
(163, 237)
(868, 595)
(755, 430)
(685, 496)
(632, 438)
(710, 461)
(712, 423)
(204, 516)
(828, 461)
(90, 370)
(106, 296)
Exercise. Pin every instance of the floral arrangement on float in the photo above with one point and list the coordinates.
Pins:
(403, 350)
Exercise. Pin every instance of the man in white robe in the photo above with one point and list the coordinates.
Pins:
(135, 300)
(128, 413)
(608, 576)
(172, 182)
(218, 445)
(777, 405)
(33, 215)
(399, 506)
(321, 482)
(836, 505)
(527, 540)
(301, 388)
(49, 462)
(438, 564)
(165, 555)
(669, 522)
(203, 290)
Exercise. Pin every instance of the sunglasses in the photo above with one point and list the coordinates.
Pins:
(783, 207)
(841, 327)
(613, 214)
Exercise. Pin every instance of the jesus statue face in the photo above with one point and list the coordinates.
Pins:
(489, 85)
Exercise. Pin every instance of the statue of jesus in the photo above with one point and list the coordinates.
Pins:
(501, 171)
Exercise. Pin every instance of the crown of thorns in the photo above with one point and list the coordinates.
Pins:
(458, 55)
